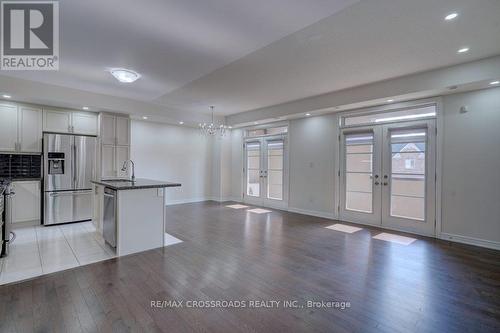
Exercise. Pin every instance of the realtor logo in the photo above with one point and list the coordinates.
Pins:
(30, 35)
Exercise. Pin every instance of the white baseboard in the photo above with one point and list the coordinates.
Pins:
(184, 201)
(444, 236)
(193, 200)
(223, 199)
(312, 213)
(470, 241)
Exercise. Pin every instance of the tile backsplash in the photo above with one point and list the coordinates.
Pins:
(16, 166)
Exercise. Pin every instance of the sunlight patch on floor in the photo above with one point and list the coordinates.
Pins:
(394, 238)
(344, 228)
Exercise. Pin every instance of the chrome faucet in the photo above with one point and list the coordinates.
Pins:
(124, 168)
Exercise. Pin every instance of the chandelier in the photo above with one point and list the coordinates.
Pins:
(213, 129)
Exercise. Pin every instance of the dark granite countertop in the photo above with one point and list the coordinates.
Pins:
(140, 183)
(25, 179)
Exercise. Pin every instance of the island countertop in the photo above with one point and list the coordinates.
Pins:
(138, 184)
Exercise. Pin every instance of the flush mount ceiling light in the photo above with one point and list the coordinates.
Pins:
(85, 108)
(308, 114)
(6, 96)
(390, 100)
(494, 83)
(451, 16)
(463, 50)
(181, 123)
(124, 75)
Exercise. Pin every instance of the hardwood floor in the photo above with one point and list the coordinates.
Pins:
(228, 254)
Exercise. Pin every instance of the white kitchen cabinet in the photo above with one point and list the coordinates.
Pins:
(122, 131)
(20, 128)
(26, 202)
(115, 144)
(122, 154)
(98, 207)
(108, 164)
(58, 121)
(108, 129)
(30, 129)
(84, 123)
(8, 127)
(115, 130)
(61, 121)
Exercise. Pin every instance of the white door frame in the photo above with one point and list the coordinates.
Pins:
(262, 199)
(437, 102)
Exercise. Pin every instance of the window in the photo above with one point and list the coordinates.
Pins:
(408, 173)
(408, 114)
(409, 164)
(267, 131)
(359, 172)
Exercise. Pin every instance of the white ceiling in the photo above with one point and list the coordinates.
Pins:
(245, 55)
(169, 42)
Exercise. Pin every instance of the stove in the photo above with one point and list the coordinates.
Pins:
(7, 236)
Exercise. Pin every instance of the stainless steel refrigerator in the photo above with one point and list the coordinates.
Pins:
(69, 166)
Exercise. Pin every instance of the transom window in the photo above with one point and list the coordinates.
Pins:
(407, 114)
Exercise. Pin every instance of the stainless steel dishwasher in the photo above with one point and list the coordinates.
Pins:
(109, 220)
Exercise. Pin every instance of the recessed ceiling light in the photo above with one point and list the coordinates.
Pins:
(390, 100)
(125, 75)
(308, 114)
(451, 16)
(463, 50)
(85, 108)
(6, 96)
(230, 127)
(494, 83)
(181, 123)
(144, 117)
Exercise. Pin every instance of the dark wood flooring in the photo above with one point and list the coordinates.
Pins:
(429, 286)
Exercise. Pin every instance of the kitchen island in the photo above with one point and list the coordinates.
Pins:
(133, 213)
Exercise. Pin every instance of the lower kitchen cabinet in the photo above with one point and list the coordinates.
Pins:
(26, 202)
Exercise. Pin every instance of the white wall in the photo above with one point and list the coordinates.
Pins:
(470, 176)
(312, 154)
(471, 165)
(237, 164)
(173, 153)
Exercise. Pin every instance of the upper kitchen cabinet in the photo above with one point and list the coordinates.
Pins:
(115, 130)
(61, 121)
(84, 123)
(8, 127)
(20, 128)
(30, 129)
(122, 131)
(56, 121)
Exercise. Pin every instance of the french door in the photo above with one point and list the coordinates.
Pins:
(265, 172)
(388, 176)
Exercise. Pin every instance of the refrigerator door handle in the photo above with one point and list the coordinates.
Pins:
(74, 167)
(69, 193)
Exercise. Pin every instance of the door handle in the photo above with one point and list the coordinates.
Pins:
(377, 183)
(386, 183)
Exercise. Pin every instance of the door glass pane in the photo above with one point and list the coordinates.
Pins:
(253, 169)
(408, 151)
(275, 153)
(359, 172)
